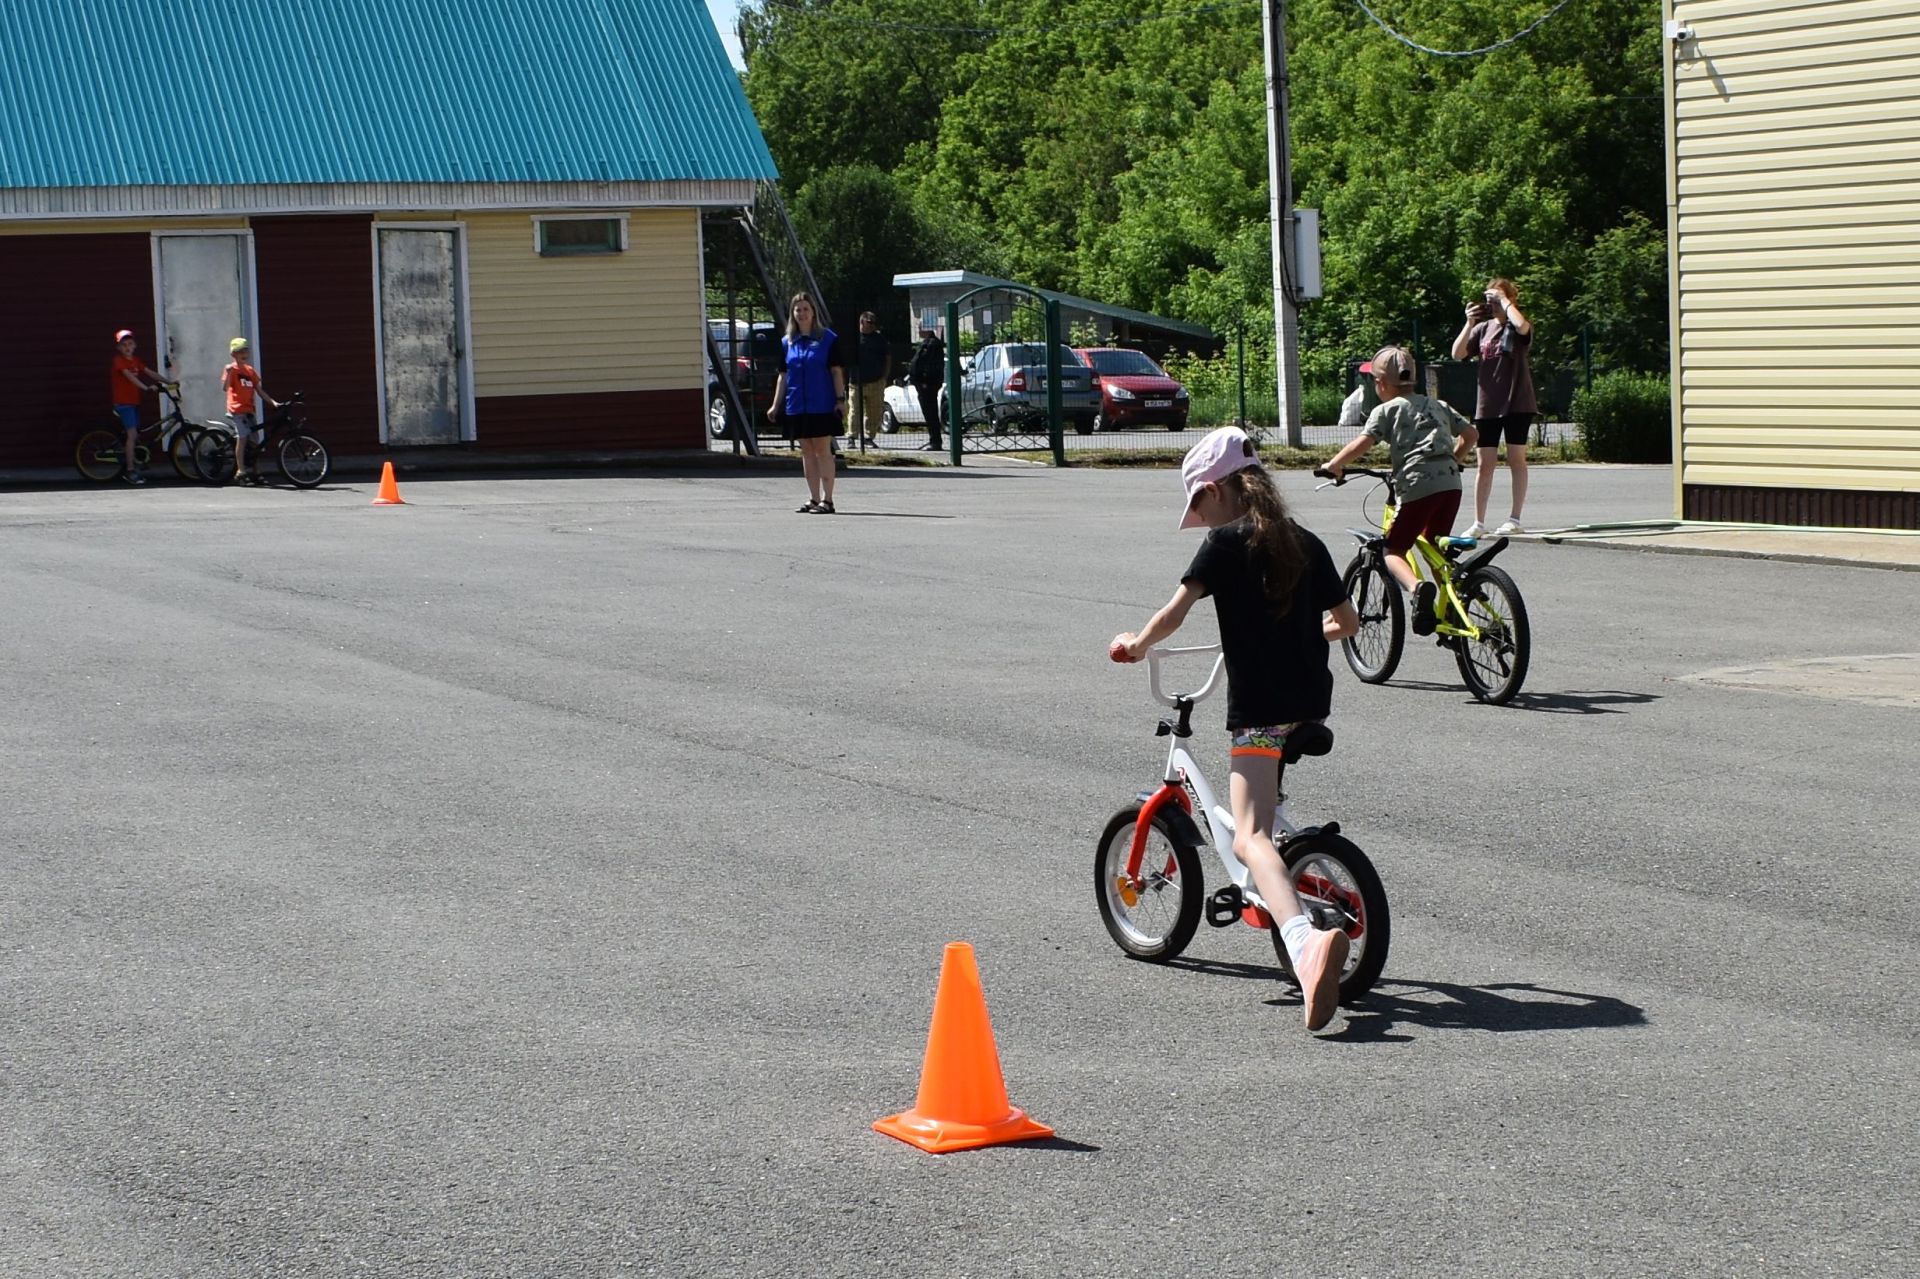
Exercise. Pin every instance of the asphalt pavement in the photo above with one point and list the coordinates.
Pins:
(550, 877)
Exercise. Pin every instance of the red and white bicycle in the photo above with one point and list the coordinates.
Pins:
(1147, 871)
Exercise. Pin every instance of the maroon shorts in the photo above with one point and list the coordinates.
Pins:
(1432, 515)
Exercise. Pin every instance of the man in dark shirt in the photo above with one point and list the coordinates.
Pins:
(873, 361)
(929, 372)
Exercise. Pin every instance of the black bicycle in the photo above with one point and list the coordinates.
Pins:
(100, 452)
(283, 436)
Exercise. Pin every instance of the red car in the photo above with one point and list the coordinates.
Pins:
(1134, 391)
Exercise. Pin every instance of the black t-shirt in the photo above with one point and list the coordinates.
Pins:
(1277, 669)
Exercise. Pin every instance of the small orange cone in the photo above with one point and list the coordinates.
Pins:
(389, 490)
(963, 1099)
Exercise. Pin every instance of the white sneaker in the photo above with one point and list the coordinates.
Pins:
(1511, 526)
(1475, 529)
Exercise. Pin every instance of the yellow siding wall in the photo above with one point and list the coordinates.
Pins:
(627, 322)
(1796, 177)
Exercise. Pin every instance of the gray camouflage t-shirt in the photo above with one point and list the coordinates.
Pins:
(1419, 431)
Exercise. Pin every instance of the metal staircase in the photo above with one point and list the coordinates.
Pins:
(754, 264)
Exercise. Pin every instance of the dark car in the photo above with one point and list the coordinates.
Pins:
(1134, 391)
(754, 357)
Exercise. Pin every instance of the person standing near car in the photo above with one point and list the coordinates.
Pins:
(1502, 337)
(927, 372)
(807, 398)
(873, 364)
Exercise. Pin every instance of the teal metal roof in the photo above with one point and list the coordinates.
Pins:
(115, 93)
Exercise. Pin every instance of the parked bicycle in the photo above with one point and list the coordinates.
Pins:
(302, 458)
(1480, 614)
(1147, 870)
(100, 452)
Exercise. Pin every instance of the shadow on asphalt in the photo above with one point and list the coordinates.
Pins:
(1501, 1007)
(896, 515)
(1605, 701)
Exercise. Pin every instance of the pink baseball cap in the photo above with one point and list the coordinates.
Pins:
(123, 335)
(1218, 454)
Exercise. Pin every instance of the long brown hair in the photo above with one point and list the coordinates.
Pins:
(1276, 541)
(793, 325)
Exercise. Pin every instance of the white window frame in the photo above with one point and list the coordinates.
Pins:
(608, 216)
(469, 419)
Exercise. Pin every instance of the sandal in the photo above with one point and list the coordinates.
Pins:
(825, 508)
(809, 509)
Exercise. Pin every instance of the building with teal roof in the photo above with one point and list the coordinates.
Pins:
(460, 222)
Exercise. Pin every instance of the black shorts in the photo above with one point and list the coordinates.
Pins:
(1515, 426)
(810, 426)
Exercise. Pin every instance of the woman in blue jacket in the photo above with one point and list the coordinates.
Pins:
(808, 396)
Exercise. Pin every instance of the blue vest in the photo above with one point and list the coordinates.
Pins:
(809, 380)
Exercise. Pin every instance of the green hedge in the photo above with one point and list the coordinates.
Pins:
(1626, 417)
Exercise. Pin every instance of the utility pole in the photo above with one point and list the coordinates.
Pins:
(1286, 313)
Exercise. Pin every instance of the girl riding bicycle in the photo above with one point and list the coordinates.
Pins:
(1273, 587)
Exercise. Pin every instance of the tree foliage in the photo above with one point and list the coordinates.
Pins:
(1122, 154)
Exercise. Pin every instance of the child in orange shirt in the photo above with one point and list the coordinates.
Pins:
(131, 378)
(242, 381)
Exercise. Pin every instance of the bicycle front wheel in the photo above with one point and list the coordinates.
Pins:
(1339, 888)
(97, 454)
(213, 455)
(1153, 915)
(303, 460)
(180, 452)
(1494, 665)
(1373, 651)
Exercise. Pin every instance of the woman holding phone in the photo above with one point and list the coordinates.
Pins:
(1502, 337)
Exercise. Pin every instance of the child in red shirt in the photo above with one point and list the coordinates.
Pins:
(131, 379)
(242, 382)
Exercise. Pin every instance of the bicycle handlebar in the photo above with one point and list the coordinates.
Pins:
(1206, 690)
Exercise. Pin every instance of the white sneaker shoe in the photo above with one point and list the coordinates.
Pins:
(1511, 526)
(1475, 529)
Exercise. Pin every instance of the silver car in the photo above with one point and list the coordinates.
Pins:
(1008, 380)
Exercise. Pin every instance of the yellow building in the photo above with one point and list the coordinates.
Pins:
(1793, 187)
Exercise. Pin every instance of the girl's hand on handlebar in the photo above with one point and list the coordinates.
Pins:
(1121, 648)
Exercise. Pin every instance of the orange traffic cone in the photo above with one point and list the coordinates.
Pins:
(963, 1099)
(389, 490)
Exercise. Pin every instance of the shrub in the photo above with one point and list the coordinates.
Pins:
(1320, 405)
(1626, 417)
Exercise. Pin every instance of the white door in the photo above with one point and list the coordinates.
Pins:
(205, 291)
(420, 344)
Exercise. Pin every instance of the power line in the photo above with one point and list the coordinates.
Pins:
(1515, 38)
(828, 15)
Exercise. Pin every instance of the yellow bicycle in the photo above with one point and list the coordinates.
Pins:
(1480, 615)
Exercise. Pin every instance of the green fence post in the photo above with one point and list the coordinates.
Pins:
(1241, 360)
(1054, 338)
(954, 406)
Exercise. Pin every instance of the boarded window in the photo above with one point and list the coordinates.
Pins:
(573, 237)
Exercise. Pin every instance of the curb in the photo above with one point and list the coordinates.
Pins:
(1781, 557)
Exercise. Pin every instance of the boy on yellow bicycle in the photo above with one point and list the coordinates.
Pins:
(1427, 442)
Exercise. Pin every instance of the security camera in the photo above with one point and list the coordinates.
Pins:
(1679, 32)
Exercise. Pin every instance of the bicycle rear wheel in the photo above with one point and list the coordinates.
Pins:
(1373, 651)
(1495, 665)
(1152, 917)
(180, 451)
(1339, 888)
(98, 454)
(303, 460)
(213, 455)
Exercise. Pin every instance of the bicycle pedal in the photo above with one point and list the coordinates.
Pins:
(1224, 907)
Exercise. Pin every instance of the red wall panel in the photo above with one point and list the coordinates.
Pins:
(61, 298)
(600, 420)
(315, 279)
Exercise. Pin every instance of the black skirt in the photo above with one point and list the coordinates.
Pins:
(809, 426)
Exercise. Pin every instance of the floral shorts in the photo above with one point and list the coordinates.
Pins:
(1261, 741)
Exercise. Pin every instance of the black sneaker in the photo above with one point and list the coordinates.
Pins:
(133, 477)
(1424, 621)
